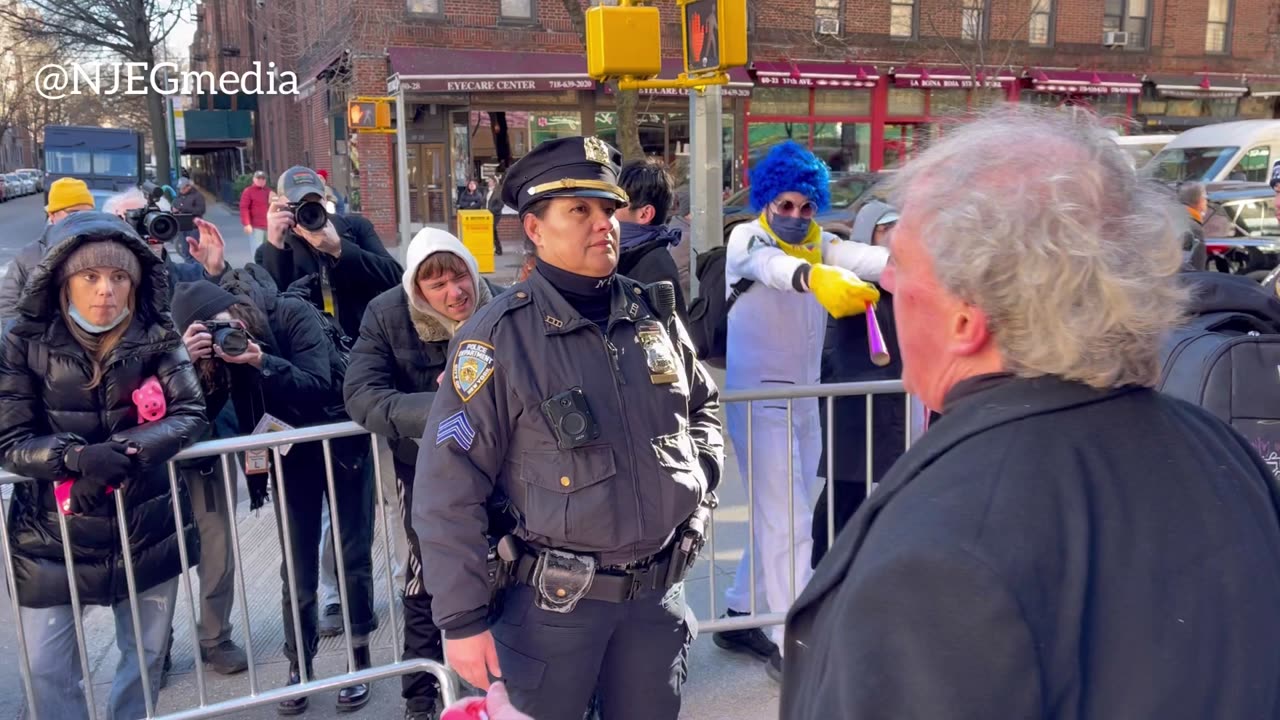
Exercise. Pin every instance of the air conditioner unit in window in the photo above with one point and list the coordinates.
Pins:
(828, 26)
(1115, 38)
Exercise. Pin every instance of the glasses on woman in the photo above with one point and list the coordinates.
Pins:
(787, 207)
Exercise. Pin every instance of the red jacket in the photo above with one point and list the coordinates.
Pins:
(254, 203)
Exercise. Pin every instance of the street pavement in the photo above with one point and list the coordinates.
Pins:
(720, 684)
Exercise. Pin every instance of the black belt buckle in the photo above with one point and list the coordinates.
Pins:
(561, 579)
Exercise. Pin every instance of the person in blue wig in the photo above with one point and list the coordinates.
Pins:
(790, 275)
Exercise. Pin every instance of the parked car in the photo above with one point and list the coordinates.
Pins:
(1241, 230)
(36, 177)
(13, 186)
(28, 182)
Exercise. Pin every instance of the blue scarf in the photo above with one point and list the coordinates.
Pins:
(634, 235)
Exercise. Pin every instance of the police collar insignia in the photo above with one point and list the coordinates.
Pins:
(595, 150)
(472, 368)
(456, 427)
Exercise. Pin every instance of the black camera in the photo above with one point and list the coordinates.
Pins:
(571, 419)
(227, 335)
(310, 214)
(151, 221)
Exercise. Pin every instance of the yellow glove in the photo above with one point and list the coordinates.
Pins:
(840, 291)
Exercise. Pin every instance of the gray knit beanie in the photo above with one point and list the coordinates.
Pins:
(105, 253)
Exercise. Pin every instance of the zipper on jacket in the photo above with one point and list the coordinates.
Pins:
(616, 371)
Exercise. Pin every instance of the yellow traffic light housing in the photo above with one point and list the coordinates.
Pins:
(623, 41)
(715, 35)
(370, 114)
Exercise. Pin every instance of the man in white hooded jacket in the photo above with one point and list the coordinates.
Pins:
(390, 384)
(789, 275)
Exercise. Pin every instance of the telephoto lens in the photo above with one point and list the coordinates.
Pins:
(233, 340)
(161, 225)
(311, 215)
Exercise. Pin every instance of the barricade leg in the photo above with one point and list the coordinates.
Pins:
(154, 615)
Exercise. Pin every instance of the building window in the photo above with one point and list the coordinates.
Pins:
(1218, 30)
(517, 9)
(902, 18)
(1131, 16)
(424, 7)
(827, 15)
(973, 19)
(1040, 24)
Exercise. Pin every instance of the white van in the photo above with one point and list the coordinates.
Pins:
(1243, 150)
(1141, 148)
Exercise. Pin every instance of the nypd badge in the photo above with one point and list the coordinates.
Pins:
(595, 150)
(472, 368)
(658, 353)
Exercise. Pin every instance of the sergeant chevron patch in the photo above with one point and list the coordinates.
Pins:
(456, 427)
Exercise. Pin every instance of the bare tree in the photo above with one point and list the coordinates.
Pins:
(103, 30)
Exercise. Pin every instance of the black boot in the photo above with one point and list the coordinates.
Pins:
(354, 697)
(299, 706)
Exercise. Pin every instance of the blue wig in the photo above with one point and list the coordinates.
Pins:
(789, 167)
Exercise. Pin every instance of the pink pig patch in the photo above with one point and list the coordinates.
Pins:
(150, 400)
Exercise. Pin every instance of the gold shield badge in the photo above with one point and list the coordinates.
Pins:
(596, 150)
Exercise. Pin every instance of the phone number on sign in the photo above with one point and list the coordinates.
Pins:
(572, 84)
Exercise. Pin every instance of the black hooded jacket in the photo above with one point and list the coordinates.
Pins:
(45, 409)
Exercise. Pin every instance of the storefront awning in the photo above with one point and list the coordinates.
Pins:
(1085, 83)
(815, 74)
(954, 78)
(1264, 88)
(740, 83)
(477, 71)
(1196, 87)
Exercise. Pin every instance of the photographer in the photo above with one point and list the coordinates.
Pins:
(389, 387)
(93, 327)
(282, 364)
(346, 261)
(208, 249)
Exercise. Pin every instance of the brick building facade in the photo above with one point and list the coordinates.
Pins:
(864, 82)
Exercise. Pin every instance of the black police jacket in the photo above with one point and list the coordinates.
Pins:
(391, 381)
(45, 410)
(619, 497)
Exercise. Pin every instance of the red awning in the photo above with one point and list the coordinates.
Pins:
(815, 74)
(477, 71)
(740, 83)
(1197, 87)
(1086, 83)
(951, 78)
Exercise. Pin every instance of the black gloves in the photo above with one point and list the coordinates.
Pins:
(100, 466)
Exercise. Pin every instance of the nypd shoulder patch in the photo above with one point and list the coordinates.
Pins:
(456, 427)
(472, 367)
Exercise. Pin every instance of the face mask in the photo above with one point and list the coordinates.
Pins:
(792, 230)
(96, 329)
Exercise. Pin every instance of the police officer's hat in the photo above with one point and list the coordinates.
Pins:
(566, 167)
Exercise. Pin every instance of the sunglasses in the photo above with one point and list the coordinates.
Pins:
(787, 207)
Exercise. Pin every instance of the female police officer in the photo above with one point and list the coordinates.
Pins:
(576, 394)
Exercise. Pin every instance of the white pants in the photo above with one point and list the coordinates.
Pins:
(776, 543)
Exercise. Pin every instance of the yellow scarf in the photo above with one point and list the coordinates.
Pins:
(810, 250)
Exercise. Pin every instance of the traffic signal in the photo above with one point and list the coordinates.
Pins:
(715, 34)
(623, 41)
(369, 115)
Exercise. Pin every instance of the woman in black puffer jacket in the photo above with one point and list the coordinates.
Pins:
(93, 327)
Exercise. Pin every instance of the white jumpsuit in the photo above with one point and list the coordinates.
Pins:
(774, 340)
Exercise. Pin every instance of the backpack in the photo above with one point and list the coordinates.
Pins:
(1226, 359)
(709, 311)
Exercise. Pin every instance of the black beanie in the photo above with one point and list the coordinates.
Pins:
(199, 300)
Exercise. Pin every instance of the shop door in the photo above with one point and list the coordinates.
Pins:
(428, 184)
(899, 142)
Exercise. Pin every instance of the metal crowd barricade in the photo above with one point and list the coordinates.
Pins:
(746, 467)
(226, 448)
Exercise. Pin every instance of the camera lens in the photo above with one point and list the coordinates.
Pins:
(233, 341)
(574, 424)
(161, 226)
(311, 215)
